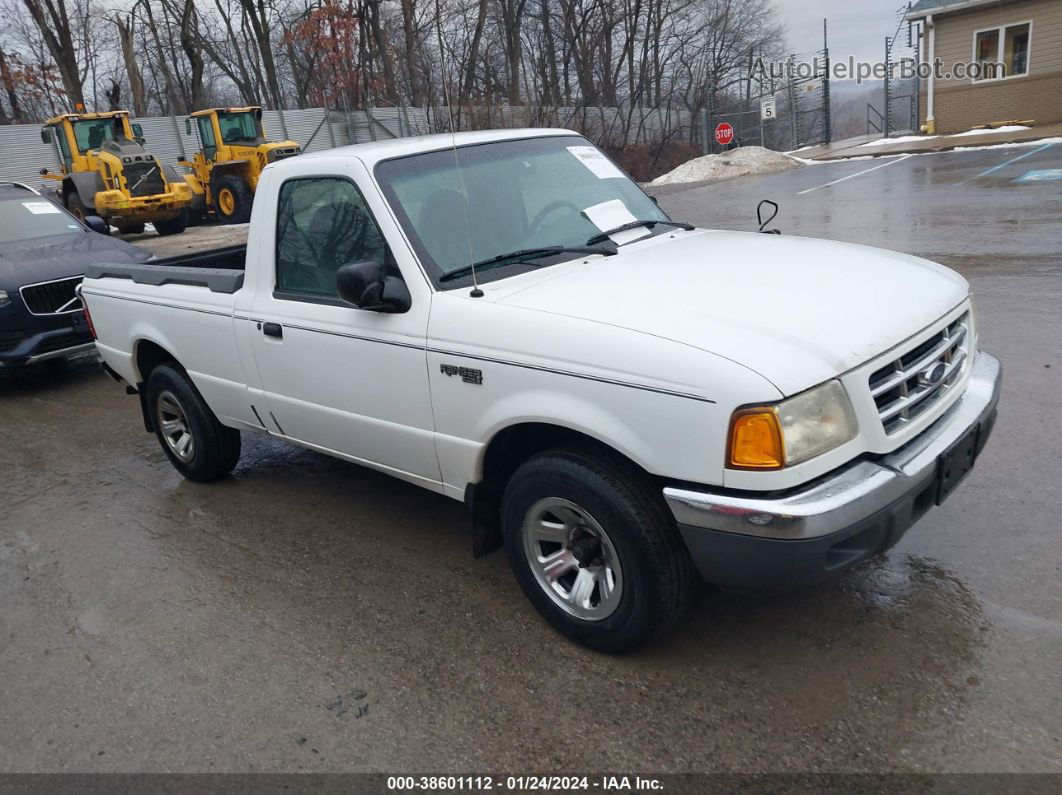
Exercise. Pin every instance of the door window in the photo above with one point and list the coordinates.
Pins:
(322, 224)
(206, 135)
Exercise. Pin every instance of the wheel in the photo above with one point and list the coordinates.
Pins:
(232, 200)
(198, 446)
(595, 549)
(131, 229)
(76, 206)
(174, 226)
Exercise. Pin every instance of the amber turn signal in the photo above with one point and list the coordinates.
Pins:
(756, 440)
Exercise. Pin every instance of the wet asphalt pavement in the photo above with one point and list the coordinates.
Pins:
(310, 615)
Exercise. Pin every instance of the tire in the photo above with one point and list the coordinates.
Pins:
(619, 533)
(232, 200)
(179, 414)
(131, 229)
(174, 226)
(77, 207)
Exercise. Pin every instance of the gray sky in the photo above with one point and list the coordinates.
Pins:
(857, 27)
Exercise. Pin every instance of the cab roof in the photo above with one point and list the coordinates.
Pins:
(107, 114)
(208, 111)
(374, 152)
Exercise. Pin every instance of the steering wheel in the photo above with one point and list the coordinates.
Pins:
(549, 208)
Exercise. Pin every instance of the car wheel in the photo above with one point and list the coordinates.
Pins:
(173, 226)
(77, 207)
(232, 200)
(198, 446)
(595, 549)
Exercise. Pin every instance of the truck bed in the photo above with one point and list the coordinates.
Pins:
(220, 270)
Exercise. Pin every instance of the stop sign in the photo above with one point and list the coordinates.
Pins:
(724, 133)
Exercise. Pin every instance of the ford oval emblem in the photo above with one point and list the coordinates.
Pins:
(932, 376)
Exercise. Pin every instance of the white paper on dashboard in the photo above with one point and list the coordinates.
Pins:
(599, 165)
(41, 208)
(613, 213)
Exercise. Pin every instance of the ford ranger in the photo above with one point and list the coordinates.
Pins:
(622, 400)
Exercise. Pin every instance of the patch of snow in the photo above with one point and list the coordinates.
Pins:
(906, 139)
(902, 139)
(734, 163)
(1005, 129)
(983, 147)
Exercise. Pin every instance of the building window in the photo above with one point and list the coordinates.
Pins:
(1002, 52)
(1016, 50)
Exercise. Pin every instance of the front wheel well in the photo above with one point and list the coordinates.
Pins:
(505, 452)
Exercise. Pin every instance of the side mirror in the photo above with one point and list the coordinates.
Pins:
(364, 285)
(46, 135)
(188, 126)
(97, 224)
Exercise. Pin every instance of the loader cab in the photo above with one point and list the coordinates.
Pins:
(79, 138)
(220, 128)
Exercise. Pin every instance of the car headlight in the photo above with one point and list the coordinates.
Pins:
(5, 299)
(792, 431)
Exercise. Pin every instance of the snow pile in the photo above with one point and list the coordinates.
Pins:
(734, 163)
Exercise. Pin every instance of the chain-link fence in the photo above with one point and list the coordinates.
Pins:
(784, 108)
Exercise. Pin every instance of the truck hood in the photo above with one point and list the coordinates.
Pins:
(796, 310)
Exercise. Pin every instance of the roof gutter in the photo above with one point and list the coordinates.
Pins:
(959, 5)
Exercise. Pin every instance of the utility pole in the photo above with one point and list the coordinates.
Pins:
(827, 132)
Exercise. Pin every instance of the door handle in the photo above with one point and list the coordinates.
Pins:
(273, 330)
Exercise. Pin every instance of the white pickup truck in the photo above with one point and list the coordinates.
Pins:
(623, 401)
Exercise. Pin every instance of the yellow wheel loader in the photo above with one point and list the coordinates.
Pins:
(106, 171)
(233, 150)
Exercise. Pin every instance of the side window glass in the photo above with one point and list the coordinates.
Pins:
(64, 147)
(322, 224)
(206, 133)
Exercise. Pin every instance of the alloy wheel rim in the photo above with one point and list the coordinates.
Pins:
(573, 559)
(174, 426)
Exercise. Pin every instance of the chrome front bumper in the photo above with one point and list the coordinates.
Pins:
(878, 498)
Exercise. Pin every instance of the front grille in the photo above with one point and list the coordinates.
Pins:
(907, 387)
(62, 341)
(9, 339)
(52, 298)
(144, 178)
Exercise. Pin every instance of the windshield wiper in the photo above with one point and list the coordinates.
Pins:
(634, 225)
(520, 256)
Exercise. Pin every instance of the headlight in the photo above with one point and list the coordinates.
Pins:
(5, 299)
(790, 432)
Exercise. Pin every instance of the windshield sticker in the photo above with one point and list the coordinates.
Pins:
(613, 214)
(41, 208)
(599, 165)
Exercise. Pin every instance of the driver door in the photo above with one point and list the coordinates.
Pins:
(336, 378)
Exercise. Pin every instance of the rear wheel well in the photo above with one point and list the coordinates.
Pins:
(150, 355)
(505, 452)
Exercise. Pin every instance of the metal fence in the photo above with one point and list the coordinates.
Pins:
(800, 108)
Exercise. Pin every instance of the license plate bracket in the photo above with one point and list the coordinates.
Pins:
(955, 463)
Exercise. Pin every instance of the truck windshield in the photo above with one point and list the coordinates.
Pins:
(487, 200)
(238, 128)
(34, 217)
